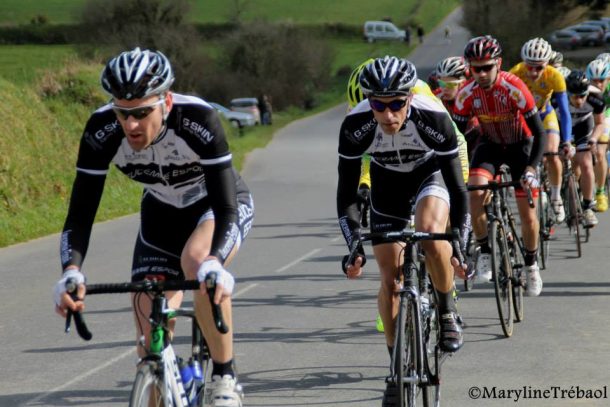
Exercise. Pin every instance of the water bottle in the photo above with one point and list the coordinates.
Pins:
(187, 376)
(195, 368)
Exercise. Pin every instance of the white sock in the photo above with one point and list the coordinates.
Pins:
(555, 192)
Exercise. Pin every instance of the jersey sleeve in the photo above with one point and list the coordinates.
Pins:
(99, 143)
(202, 130)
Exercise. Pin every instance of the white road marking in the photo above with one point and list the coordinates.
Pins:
(300, 259)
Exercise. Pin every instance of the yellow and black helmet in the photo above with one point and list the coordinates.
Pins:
(354, 93)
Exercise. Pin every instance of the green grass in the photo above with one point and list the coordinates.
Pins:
(299, 11)
(22, 64)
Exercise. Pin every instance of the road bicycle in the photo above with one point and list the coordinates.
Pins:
(507, 252)
(158, 381)
(417, 357)
(571, 201)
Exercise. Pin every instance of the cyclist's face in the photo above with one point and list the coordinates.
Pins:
(390, 121)
(141, 119)
(600, 83)
(534, 71)
(449, 87)
(578, 100)
(485, 72)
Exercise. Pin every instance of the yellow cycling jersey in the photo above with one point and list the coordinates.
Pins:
(422, 88)
(550, 81)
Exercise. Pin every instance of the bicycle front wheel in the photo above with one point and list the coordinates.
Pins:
(405, 361)
(575, 212)
(502, 273)
(147, 388)
(431, 390)
(545, 227)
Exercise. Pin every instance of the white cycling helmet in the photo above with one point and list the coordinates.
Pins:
(536, 51)
(604, 57)
(452, 66)
(564, 71)
(137, 74)
(598, 69)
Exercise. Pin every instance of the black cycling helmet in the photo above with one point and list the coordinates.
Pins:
(137, 74)
(482, 48)
(388, 76)
(577, 83)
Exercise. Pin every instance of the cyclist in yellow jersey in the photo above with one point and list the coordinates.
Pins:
(355, 96)
(544, 81)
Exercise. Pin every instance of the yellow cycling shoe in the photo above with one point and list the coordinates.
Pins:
(379, 323)
(602, 202)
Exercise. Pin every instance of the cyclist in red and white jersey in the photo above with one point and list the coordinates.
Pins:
(512, 134)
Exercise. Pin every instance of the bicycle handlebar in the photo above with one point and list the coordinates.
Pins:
(494, 186)
(153, 286)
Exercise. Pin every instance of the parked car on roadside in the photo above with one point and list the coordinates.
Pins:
(591, 35)
(565, 39)
(604, 24)
(382, 30)
(246, 105)
(237, 119)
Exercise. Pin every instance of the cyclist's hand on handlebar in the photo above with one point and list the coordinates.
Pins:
(567, 149)
(529, 180)
(63, 300)
(458, 259)
(353, 270)
(363, 195)
(224, 280)
(592, 145)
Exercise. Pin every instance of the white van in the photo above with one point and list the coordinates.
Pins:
(382, 30)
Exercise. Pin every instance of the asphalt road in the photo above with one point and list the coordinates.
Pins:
(305, 335)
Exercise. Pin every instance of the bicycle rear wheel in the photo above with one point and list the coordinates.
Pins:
(147, 388)
(502, 273)
(575, 212)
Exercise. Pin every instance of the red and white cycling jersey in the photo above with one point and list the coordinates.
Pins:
(501, 110)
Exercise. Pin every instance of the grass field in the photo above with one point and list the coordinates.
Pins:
(299, 11)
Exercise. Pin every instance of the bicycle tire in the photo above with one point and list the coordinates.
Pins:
(431, 391)
(545, 228)
(472, 253)
(145, 382)
(501, 274)
(515, 250)
(576, 216)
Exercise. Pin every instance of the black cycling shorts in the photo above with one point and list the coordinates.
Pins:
(395, 195)
(165, 229)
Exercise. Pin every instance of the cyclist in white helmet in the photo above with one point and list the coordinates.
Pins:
(545, 81)
(598, 72)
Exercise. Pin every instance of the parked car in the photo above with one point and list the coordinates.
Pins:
(246, 105)
(591, 35)
(604, 24)
(237, 119)
(382, 30)
(565, 39)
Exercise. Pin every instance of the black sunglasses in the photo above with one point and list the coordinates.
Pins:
(536, 68)
(482, 68)
(138, 113)
(395, 105)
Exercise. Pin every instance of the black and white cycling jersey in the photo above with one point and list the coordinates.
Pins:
(400, 162)
(189, 161)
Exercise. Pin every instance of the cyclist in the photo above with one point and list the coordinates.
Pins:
(452, 73)
(584, 137)
(355, 96)
(598, 72)
(556, 59)
(411, 141)
(512, 134)
(195, 208)
(544, 81)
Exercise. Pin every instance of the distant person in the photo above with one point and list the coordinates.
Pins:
(264, 105)
(420, 34)
(408, 35)
(448, 34)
